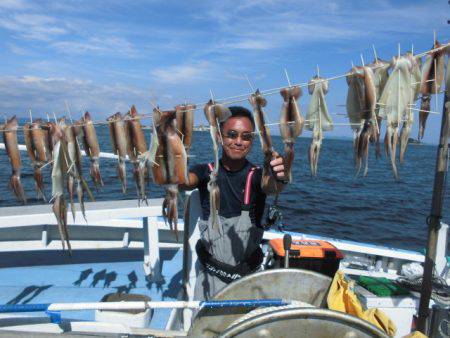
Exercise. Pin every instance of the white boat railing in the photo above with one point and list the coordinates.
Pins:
(123, 216)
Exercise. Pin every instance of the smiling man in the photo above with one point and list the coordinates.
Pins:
(232, 251)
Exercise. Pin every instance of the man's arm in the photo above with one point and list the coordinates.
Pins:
(272, 184)
(192, 182)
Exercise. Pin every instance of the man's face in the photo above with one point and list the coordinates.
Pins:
(237, 134)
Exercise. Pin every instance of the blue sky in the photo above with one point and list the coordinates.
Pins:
(106, 55)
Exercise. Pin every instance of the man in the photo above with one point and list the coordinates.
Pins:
(232, 251)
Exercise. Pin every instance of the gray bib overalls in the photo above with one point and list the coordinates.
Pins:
(230, 243)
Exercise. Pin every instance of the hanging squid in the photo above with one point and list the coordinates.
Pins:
(370, 129)
(120, 145)
(12, 149)
(215, 114)
(291, 124)
(318, 118)
(38, 180)
(137, 149)
(185, 124)
(355, 104)
(75, 169)
(59, 173)
(430, 83)
(380, 70)
(48, 138)
(91, 147)
(169, 162)
(408, 115)
(258, 102)
(394, 101)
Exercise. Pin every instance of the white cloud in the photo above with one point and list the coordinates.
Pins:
(270, 24)
(178, 74)
(18, 94)
(33, 26)
(14, 4)
(115, 45)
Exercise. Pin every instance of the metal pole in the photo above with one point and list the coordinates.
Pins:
(434, 219)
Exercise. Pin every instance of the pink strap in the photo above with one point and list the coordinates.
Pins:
(248, 186)
(211, 166)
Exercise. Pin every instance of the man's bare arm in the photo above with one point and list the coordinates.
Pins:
(191, 184)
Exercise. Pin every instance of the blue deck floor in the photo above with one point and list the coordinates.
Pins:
(84, 279)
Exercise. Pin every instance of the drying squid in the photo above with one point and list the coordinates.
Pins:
(408, 115)
(48, 138)
(169, 162)
(215, 114)
(291, 124)
(138, 147)
(38, 181)
(355, 104)
(12, 149)
(185, 124)
(75, 168)
(59, 172)
(120, 145)
(91, 147)
(258, 102)
(370, 129)
(394, 101)
(38, 150)
(430, 83)
(318, 118)
(380, 70)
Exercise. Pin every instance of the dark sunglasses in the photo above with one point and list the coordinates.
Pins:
(245, 136)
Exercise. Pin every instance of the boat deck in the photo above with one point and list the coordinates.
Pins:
(90, 281)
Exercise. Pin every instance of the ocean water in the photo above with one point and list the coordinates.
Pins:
(374, 209)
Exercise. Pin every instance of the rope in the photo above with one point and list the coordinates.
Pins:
(440, 291)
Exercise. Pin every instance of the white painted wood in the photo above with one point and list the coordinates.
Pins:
(23, 147)
(152, 264)
(95, 211)
(12, 246)
(126, 239)
(194, 235)
(441, 249)
(44, 237)
(366, 249)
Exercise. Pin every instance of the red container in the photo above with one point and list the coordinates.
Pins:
(315, 255)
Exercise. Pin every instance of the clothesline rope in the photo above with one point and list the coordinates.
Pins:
(242, 97)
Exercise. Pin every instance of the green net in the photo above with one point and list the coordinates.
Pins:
(381, 287)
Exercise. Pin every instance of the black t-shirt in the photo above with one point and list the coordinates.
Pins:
(232, 185)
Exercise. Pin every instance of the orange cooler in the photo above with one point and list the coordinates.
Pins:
(315, 255)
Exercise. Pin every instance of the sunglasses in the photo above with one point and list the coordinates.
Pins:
(245, 136)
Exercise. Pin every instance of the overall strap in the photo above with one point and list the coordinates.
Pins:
(248, 189)
(211, 166)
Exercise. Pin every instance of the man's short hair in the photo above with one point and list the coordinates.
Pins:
(238, 111)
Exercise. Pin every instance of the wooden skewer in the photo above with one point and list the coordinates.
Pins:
(375, 53)
(287, 77)
(249, 83)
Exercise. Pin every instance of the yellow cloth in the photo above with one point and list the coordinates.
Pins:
(342, 298)
(415, 334)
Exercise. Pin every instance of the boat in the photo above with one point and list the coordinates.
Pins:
(128, 275)
(414, 142)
